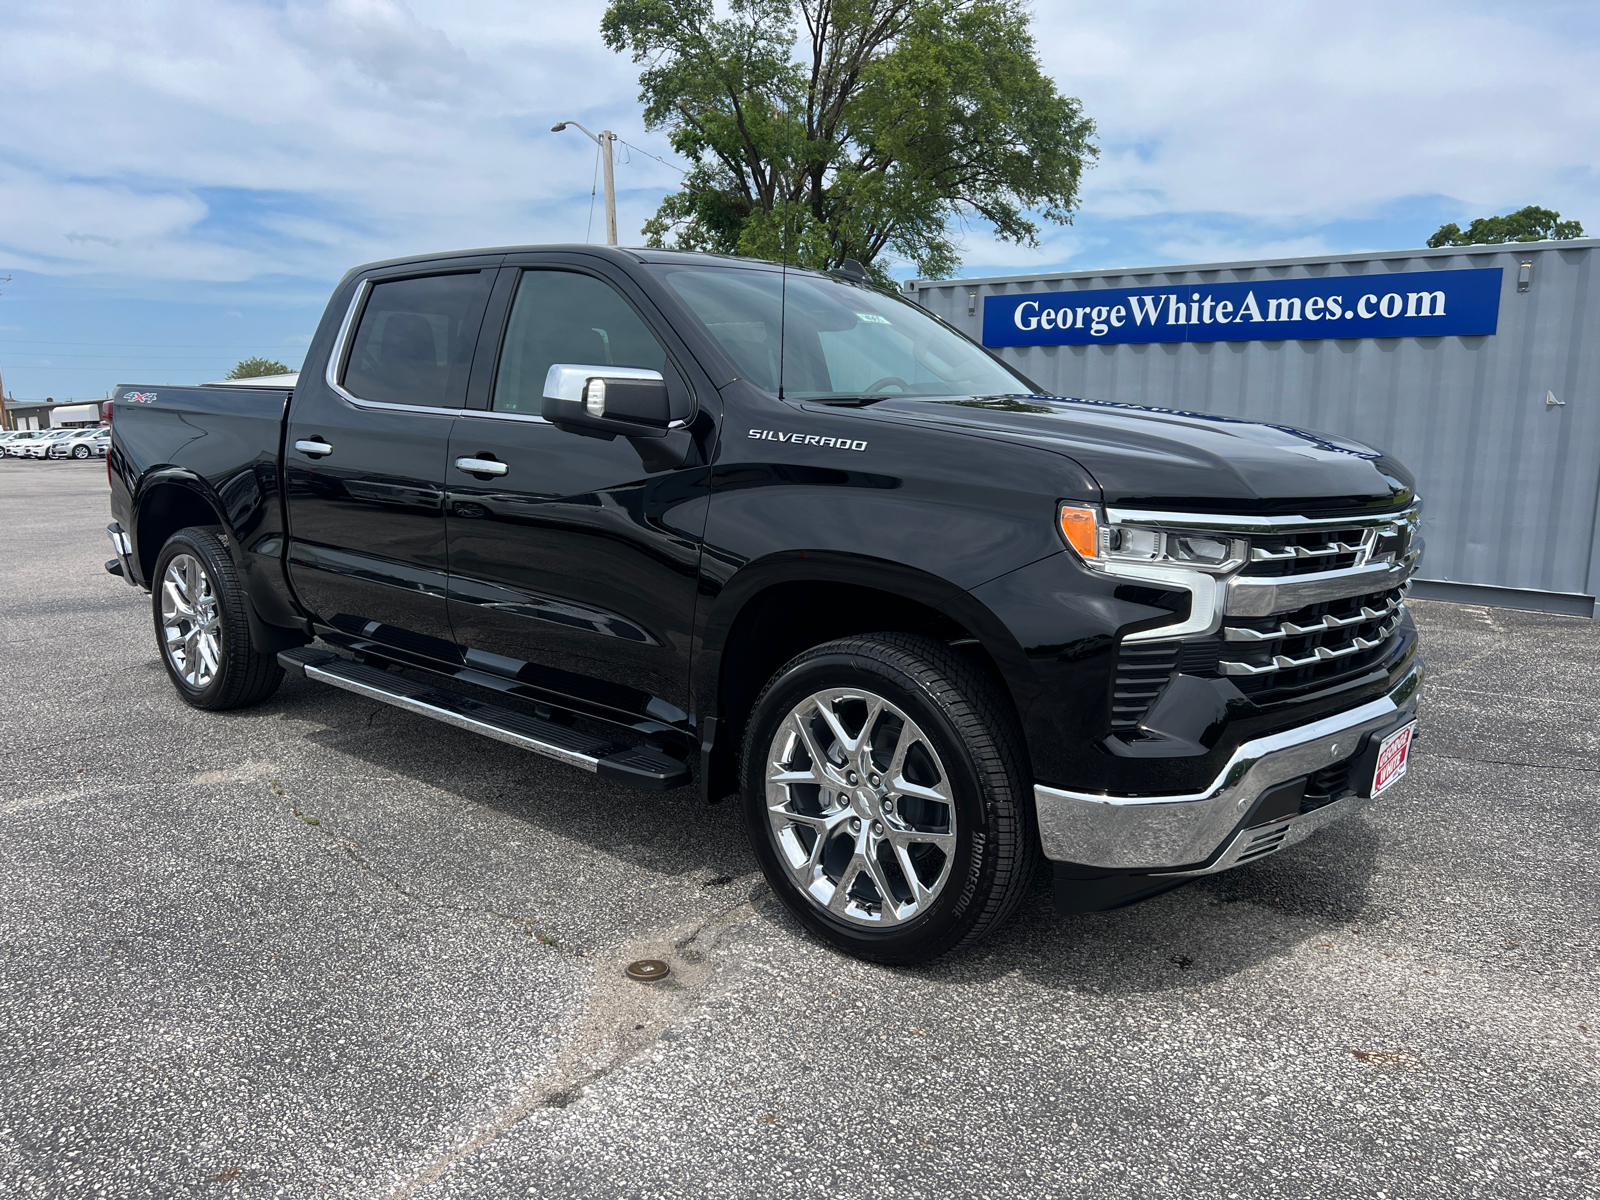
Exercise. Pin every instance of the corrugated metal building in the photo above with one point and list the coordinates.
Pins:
(1502, 428)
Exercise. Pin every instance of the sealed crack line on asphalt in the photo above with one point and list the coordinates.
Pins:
(624, 1019)
(1500, 762)
(528, 924)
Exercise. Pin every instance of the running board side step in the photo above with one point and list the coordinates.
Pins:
(637, 766)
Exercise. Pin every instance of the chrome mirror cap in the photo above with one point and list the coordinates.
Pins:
(569, 381)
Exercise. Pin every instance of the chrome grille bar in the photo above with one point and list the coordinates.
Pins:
(1289, 629)
(1282, 662)
(1261, 554)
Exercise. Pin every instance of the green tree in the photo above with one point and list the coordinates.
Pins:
(1531, 224)
(249, 368)
(872, 133)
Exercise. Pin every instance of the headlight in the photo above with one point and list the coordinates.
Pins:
(1102, 544)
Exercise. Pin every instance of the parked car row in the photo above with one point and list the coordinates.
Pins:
(56, 443)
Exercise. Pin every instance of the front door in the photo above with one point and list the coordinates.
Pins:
(574, 569)
(365, 459)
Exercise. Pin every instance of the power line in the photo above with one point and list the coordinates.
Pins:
(116, 358)
(124, 357)
(657, 157)
(593, 184)
(105, 371)
(148, 345)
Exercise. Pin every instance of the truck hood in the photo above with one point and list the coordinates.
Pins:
(1146, 457)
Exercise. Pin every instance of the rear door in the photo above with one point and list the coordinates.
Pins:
(574, 567)
(365, 456)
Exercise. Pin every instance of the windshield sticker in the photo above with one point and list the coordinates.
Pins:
(872, 318)
(806, 439)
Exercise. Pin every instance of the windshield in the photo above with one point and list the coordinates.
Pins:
(839, 340)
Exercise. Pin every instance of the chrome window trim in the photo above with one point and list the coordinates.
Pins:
(1225, 523)
(528, 418)
(491, 415)
(341, 344)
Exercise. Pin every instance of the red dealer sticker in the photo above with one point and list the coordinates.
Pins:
(1394, 754)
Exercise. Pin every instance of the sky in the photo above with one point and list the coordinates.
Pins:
(182, 183)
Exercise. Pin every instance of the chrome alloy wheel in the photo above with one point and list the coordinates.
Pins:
(860, 807)
(191, 629)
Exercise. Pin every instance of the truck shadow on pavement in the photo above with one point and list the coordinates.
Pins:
(1207, 930)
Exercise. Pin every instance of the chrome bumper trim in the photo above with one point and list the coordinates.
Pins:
(1250, 844)
(1156, 833)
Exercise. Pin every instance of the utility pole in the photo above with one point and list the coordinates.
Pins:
(7, 279)
(603, 139)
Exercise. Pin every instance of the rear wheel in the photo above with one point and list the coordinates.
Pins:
(886, 798)
(203, 627)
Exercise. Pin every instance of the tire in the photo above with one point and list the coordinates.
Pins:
(834, 839)
(197, 598)
(80, 452)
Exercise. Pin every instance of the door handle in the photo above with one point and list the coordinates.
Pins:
(481, 466)
(316, 448)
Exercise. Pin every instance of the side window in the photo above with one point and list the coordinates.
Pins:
(414, 343)
(565, 317)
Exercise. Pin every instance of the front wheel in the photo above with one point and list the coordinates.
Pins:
(80, 452)
(203, 627)
(886, 797)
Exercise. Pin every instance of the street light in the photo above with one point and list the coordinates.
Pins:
(603, 139)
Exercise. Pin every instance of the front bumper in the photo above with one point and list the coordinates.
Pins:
(1199, 833)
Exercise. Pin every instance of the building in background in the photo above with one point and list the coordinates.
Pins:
(50, 413)
(1478, 367)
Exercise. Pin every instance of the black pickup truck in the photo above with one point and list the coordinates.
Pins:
(663, 516)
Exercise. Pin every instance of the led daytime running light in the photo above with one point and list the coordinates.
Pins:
(1102, 545)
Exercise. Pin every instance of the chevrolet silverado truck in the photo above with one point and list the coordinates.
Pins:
(669, 518)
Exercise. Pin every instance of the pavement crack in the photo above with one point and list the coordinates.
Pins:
(1502, 762)
(624, 1019)
(352, 851)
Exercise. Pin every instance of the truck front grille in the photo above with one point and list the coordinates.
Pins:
(1272, 658)
(1266, 657)
(1306, 553)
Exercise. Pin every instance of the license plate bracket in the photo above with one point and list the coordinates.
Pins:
(1392, 758)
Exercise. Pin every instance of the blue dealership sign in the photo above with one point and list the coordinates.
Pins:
(1404, 304)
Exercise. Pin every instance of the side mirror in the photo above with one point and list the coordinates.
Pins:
(631, 401)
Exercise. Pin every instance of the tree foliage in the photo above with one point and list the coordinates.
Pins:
(1531, 224)
(250, 368)
(821, 130)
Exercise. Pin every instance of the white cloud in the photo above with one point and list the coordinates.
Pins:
(1319, 111)
(233, 140)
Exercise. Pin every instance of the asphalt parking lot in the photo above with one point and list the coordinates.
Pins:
(325, 948)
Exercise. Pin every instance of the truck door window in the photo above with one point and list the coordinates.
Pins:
(414, 343)
(567, 317)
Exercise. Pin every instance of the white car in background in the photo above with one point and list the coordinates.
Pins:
(80, 443)
(39, 447)
(16, 440)
(18, 445)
